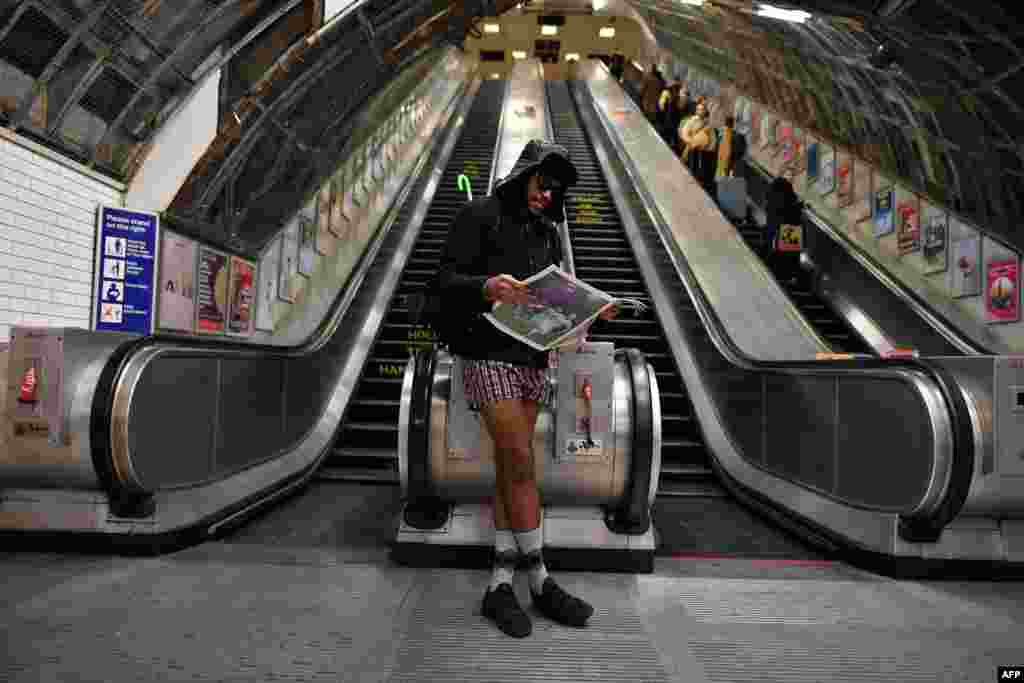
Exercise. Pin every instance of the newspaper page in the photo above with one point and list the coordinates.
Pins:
(560, 307)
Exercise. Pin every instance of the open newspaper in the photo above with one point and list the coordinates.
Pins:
(561, 307)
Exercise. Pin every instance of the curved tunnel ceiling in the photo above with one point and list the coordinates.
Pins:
(939, 108)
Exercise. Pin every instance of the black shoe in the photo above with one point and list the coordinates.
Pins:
(501, 606)
(556, 604)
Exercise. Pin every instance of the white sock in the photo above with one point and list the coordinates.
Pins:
(530, 543)
(506, 554)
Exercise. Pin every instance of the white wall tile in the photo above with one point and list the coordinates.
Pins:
(47, 236)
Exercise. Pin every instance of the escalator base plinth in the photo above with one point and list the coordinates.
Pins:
(575, 539)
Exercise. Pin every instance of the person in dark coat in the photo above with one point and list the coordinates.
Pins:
(495, 243)
(782, 207)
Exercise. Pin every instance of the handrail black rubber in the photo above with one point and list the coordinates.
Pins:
(633, 515)
(924, 527)
(424, 509)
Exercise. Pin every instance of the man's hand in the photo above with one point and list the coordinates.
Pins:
(506, 289)
(609, 313)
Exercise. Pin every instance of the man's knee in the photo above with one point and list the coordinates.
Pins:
(516, 465)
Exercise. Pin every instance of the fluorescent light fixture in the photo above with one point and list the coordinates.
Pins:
(607, 32)
(492, 28)
(797, 16)
(572, 57)
(518, 54)
(694, 3)
(549, 30)
(638, 65)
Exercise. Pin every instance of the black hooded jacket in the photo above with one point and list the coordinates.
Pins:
(481, 245)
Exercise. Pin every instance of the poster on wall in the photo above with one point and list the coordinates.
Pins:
(289, 264)
(1002, 290)
(267, 294)
(124, 285)
(844, 193)
(769, 130)
(35, 386)
(827, 178)
(965, 260)
(882, 212)
(934, 245)
(341, 225)
(212, 303)
(743, 116)
(177, 309)
(241, 296)
(784, 138)
(307, 246)
(908, 222)
(813, 161)
(323, 219)
(791, 238)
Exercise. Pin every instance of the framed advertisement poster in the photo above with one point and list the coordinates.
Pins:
(769, 128)
(212, 303)
(177, 302)
(935, 239)
(882, 210)
(784, 139)
(813, 161)
(289, 264)
(323, 219)
(1002, 289)
(124, 285)
(827, 178)
(845, 193)
(241, 296)
(908, 222)
(307, 246)
(965, 260)
(267, 291)
(341, 224)
(35, 410)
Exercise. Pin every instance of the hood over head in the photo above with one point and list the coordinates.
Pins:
(547, 157)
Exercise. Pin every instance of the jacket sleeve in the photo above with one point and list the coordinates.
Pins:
(460, 285)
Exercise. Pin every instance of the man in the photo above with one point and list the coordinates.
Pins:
(699, 146)
(653, 85)
(496, 242)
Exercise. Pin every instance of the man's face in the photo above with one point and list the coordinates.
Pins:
(540, 192)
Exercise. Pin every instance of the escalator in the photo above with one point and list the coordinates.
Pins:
(367, 444)
(797, 283)
(603, 258)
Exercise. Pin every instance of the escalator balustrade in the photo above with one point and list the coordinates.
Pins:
(367, 444)
(603, 258)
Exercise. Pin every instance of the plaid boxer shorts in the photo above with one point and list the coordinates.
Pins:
(489, 380)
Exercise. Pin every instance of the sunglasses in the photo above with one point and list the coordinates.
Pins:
(548, 183)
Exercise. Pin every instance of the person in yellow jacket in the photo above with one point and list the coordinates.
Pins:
(698, 145)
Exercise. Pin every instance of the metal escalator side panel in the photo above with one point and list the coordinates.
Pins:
(335, 361)
(369, 439)
(858, 525)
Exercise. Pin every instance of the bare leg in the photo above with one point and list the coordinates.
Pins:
(511, 424)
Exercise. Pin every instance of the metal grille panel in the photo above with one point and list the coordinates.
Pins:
(108, 95)
(32, 43)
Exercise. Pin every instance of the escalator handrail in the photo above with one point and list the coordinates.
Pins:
(920, 308)
(568, 263)
(113, 396)
(945, 498)
(497, 140)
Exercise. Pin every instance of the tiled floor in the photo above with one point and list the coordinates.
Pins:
(302, 594)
